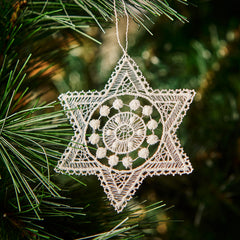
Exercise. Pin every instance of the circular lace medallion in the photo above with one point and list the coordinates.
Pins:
(124, 131)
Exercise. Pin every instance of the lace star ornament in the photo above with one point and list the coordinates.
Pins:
(125, 132)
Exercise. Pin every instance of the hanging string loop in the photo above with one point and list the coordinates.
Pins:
(117, 27)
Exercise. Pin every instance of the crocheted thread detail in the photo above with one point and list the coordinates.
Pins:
(125, 132)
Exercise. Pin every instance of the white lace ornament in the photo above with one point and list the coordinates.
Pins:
(125, 132)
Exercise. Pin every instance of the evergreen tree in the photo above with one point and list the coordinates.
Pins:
(50, 47)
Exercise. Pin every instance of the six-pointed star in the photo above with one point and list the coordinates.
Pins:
(120, 185)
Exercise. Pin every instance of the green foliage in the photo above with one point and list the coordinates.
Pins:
(29, 144)
(79, 15)
(204, 54)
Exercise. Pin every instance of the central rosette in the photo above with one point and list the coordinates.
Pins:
(124, 132)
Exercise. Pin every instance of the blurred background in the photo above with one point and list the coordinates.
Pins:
(202, 54)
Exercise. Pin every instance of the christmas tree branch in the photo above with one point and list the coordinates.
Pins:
(78, 15)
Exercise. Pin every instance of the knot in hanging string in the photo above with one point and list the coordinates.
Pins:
(117, 29)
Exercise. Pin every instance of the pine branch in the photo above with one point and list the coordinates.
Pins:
(79, 15)
(30, 140)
